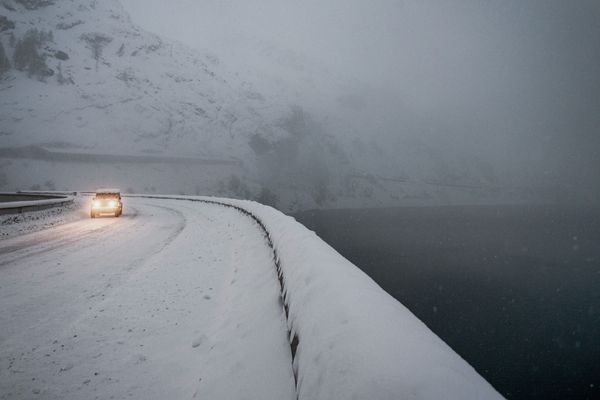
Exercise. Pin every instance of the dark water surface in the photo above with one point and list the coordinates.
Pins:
(515, 290)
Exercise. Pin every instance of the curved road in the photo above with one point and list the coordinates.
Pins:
(172, 300)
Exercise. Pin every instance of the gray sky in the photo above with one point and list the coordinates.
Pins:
(525, 70)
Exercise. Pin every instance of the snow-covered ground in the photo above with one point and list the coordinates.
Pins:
(169, 301)
(181, 299)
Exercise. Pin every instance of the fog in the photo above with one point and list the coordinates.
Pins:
(515, 82)
(450, 149)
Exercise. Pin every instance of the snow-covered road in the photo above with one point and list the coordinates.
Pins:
(172, 300)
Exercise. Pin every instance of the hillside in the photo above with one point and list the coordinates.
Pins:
(79, 78)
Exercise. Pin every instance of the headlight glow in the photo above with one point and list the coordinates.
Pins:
(112, 204)
(96, 204)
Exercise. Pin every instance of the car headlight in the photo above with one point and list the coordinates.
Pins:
(96, 204)
(112, 204)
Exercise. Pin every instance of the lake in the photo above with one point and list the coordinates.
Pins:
(515, 290)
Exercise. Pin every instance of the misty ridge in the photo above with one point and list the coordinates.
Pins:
(319, 105)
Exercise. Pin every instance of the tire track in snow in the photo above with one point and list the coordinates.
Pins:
(182, 223)
(156, 236)
(293, 337)
(113, 284)
(69, 296)
(180, 226)
(49, 240)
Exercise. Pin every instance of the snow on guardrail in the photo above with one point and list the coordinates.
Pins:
(42, 202)
(354, 339)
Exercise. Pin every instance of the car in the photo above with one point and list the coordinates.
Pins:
(107, 202)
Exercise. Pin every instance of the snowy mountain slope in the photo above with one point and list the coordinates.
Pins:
(135, 93)
(91, 81)
(106, 86)
(386, 126)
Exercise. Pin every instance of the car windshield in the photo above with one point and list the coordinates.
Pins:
(107, 196)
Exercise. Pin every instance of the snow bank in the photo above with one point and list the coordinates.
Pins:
(355, 340)
(35, 220)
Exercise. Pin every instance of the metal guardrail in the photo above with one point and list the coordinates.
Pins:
(20, 202)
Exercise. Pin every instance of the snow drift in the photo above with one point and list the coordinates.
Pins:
(355, 340)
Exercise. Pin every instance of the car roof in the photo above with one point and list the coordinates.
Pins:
(108, 190)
